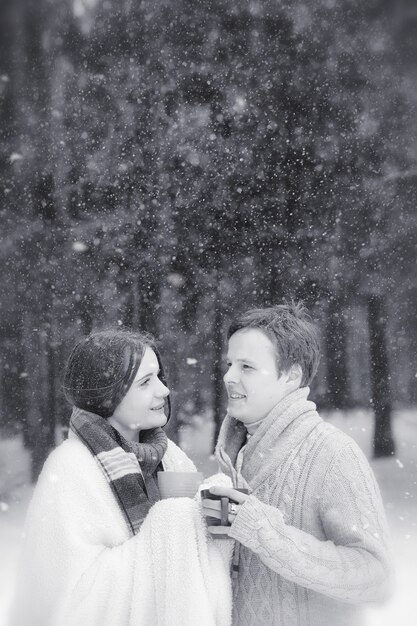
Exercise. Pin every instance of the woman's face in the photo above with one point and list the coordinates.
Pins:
(143, 405)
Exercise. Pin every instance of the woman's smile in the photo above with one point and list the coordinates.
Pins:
(160, 407)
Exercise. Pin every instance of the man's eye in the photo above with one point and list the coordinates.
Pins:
(247, 367)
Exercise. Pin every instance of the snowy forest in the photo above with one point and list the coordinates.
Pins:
(165, 165)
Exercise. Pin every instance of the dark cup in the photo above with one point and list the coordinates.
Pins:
(213, 521)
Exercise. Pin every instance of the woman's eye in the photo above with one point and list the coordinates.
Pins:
(144, 382)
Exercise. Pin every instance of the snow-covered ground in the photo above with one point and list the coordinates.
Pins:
(397, 478)
(14, 497)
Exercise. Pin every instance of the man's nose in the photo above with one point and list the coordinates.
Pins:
(230, 376)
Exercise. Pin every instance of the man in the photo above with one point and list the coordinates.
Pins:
(311, 536)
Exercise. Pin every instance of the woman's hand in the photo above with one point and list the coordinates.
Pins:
(212, 508)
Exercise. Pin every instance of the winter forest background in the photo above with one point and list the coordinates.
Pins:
(166, 164)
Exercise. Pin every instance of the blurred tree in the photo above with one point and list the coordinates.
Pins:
(168, 165)
(380, 379)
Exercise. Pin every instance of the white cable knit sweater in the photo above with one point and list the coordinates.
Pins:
(80, 567)
(313, 532)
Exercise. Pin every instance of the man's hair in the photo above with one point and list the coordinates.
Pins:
(293, 334)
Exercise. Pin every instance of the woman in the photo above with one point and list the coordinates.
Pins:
(89, 559)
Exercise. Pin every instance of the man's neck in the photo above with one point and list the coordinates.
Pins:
(251, 428)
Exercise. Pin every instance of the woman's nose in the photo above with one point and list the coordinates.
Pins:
(163, 390)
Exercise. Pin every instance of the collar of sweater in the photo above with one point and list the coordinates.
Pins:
(288, 422)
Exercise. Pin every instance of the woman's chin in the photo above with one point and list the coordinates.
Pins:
(158, 419)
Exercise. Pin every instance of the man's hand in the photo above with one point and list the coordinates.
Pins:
(212, 508)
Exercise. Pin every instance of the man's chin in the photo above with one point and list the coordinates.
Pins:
(237, 416)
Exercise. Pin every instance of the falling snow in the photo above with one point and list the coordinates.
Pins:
(165, 165)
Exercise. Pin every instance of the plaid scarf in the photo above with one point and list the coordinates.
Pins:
(129, 467)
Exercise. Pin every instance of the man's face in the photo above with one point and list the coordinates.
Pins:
(252, 382)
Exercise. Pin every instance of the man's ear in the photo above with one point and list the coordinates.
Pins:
(295, 374)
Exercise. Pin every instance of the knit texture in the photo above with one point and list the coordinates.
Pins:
(80, 566)
(313, 533)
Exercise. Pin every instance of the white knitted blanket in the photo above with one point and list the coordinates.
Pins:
(79, 567)
(183, 577)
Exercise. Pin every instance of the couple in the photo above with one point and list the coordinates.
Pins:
(307, 544)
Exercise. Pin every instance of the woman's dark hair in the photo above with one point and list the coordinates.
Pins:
(102, 367)
(292, 333)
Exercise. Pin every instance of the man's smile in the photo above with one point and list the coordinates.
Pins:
(236, 396)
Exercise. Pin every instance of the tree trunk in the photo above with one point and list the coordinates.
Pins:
(380, 378)
(40, 421)
(52, 379)
(217, 376)
(2, 412)
(337, 374)
(131, 316)
(149, 294)
(172, 429)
